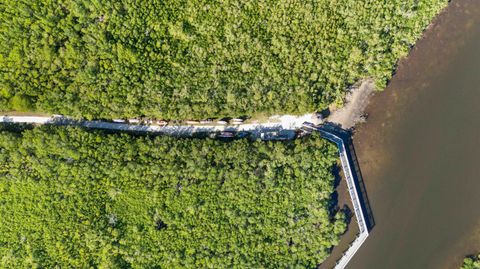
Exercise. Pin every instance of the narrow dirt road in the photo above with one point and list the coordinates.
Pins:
(284, 125)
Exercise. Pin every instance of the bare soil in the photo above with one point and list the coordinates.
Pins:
(353, 111)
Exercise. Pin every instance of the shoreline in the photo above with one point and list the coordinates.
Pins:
(329, 132)
(353, 115)
(426, 63)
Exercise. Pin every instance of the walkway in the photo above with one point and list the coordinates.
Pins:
(332, 135)
(256, 129)
(283, 125)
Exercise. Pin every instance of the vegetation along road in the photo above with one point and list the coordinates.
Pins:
(279, 127)
(75, 197)
(196, 59)
(121, 200)
(419, 150)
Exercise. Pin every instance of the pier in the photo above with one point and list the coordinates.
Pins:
(342, 139)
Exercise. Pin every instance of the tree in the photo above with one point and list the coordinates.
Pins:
(196, 59)
(20, 102)
(73, 197)
(471, 262)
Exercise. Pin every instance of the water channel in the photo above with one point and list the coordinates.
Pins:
(420, 151)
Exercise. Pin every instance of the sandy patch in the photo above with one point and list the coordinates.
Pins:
(353, 110)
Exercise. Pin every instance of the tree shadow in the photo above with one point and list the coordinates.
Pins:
(346, 136)
(15, 127)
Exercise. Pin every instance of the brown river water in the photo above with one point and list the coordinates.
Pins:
(419, 151)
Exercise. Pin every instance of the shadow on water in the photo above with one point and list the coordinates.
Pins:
(357, 174)
(361, 186)
(334, 205)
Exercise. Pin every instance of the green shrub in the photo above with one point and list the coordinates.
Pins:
(199, 59)
(20, 103)
(71, 198)
(471, 262)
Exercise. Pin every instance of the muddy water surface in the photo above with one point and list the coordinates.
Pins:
(420, 151)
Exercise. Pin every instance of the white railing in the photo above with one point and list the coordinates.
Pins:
(352, 190)
(354, 246)
(346, 165)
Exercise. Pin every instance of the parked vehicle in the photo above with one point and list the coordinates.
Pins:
(242, 134)
(192, 122)
(278, 135)
(161, 122)
(222, 122)
(119, 121)
(302, 132)
(135, 121)
(237, 121)
(309, 125)
(226, 135)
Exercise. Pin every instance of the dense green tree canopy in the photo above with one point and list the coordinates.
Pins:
(75, 199)
(471, 262)
(198, 58)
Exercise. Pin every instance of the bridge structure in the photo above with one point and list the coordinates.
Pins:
(342, 139)
(330, 132)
